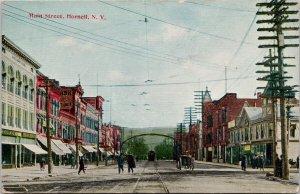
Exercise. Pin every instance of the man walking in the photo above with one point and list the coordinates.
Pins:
(81, 166)
(121, 163)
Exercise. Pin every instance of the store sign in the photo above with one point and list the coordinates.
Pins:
(29, 135)
(11, 133)
(66, 99)
(247, 148)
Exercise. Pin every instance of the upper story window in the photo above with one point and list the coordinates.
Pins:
(31, 90)
(224, 114)
(3, 75)
(10, 83)
(18, 83)
(25, 87)
(209, 121)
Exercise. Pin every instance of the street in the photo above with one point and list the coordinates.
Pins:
(155, 177)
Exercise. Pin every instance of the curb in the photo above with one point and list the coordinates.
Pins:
(46, 176)
(277, 179)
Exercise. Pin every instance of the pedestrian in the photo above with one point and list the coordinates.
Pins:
(261, 162)
(81, 166)
(243, 163)
(279, 165)
(73, 162)
(42, 164)
(131, 163)
(121, 161)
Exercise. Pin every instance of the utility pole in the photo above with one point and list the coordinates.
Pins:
(48, 128)
(225, 79)
(199, 106)
(98, 139)
(76, 133)
(48, 83)
(279, 12)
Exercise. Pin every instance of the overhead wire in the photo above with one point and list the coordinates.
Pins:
(126, 50)
(213, 65)
(169, 23)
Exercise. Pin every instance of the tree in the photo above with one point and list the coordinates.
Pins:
(164, 150)
(138, 148)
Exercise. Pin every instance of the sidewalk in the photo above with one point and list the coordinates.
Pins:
(34, 172)
(294, 173)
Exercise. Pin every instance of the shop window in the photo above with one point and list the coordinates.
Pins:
(7, 154)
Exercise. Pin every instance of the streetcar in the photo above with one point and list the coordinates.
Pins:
(151, 155)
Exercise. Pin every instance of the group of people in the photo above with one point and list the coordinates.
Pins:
(130, 163)
(257, 162)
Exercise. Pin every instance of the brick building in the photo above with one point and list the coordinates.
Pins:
(215, 117)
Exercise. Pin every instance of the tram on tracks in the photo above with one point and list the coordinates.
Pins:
(151, 155)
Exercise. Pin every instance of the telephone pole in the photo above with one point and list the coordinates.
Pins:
(48, 83)
(48, 128)
(278, 13)
(76, 132)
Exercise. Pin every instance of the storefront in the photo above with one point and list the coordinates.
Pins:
(19, 149)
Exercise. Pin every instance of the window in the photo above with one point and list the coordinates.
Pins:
(3, 76)
(209, 121)
(256, 132)
(18, 83)
(31, 121)
(25, 119)
(25, 87)
(3, 113)
(224, 114)
(10, 115)
(31, 94)
(18, 117)
(270, 130)
(292, 130)
(10, 83)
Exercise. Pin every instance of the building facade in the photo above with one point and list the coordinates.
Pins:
(215, 118)
(18, 107)
(251, 134)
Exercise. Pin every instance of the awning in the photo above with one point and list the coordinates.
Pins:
(109, 153)
(89, 148)
(35, 148)
(73, 148)
(54, 148)
(62, 146)
(101, 150)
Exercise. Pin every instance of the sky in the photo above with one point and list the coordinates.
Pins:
(145, 58)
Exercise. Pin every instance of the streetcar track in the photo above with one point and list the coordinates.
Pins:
(137, 188)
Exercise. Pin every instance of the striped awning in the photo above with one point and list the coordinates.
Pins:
(54, 148)
(35, 149)
(89, 148)
(62, 146)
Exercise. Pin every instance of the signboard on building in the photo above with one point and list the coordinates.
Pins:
(247, 148)
(66, 98)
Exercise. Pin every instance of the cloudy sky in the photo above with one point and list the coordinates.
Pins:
(114, 47)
